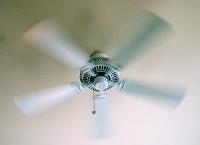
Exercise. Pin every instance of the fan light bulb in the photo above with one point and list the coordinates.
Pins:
(100, 83)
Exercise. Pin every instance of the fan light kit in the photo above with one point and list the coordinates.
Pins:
(98, 72)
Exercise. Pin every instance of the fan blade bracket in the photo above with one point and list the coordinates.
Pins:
(77, 86)
(121, 86)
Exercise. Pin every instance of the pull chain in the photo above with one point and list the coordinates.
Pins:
(93, 101)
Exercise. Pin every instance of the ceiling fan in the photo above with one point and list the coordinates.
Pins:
(98, 72)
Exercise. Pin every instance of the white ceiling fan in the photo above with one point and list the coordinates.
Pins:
(98, 72)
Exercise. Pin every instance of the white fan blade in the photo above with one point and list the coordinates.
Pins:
(40, 101)
(148, 28)
(48, 37)
(170, 95)
(100, 120)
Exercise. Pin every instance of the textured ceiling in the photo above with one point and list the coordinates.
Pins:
(96, 26)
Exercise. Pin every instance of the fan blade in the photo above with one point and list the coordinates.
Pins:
(43, 100)
(100, 120)
(49, 38)
(171, 95)
(149, 28)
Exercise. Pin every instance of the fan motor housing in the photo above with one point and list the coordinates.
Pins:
(100, 73)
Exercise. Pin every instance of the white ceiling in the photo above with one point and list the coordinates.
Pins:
(24, 69)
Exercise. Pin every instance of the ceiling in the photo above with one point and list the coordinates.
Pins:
(96, 25)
